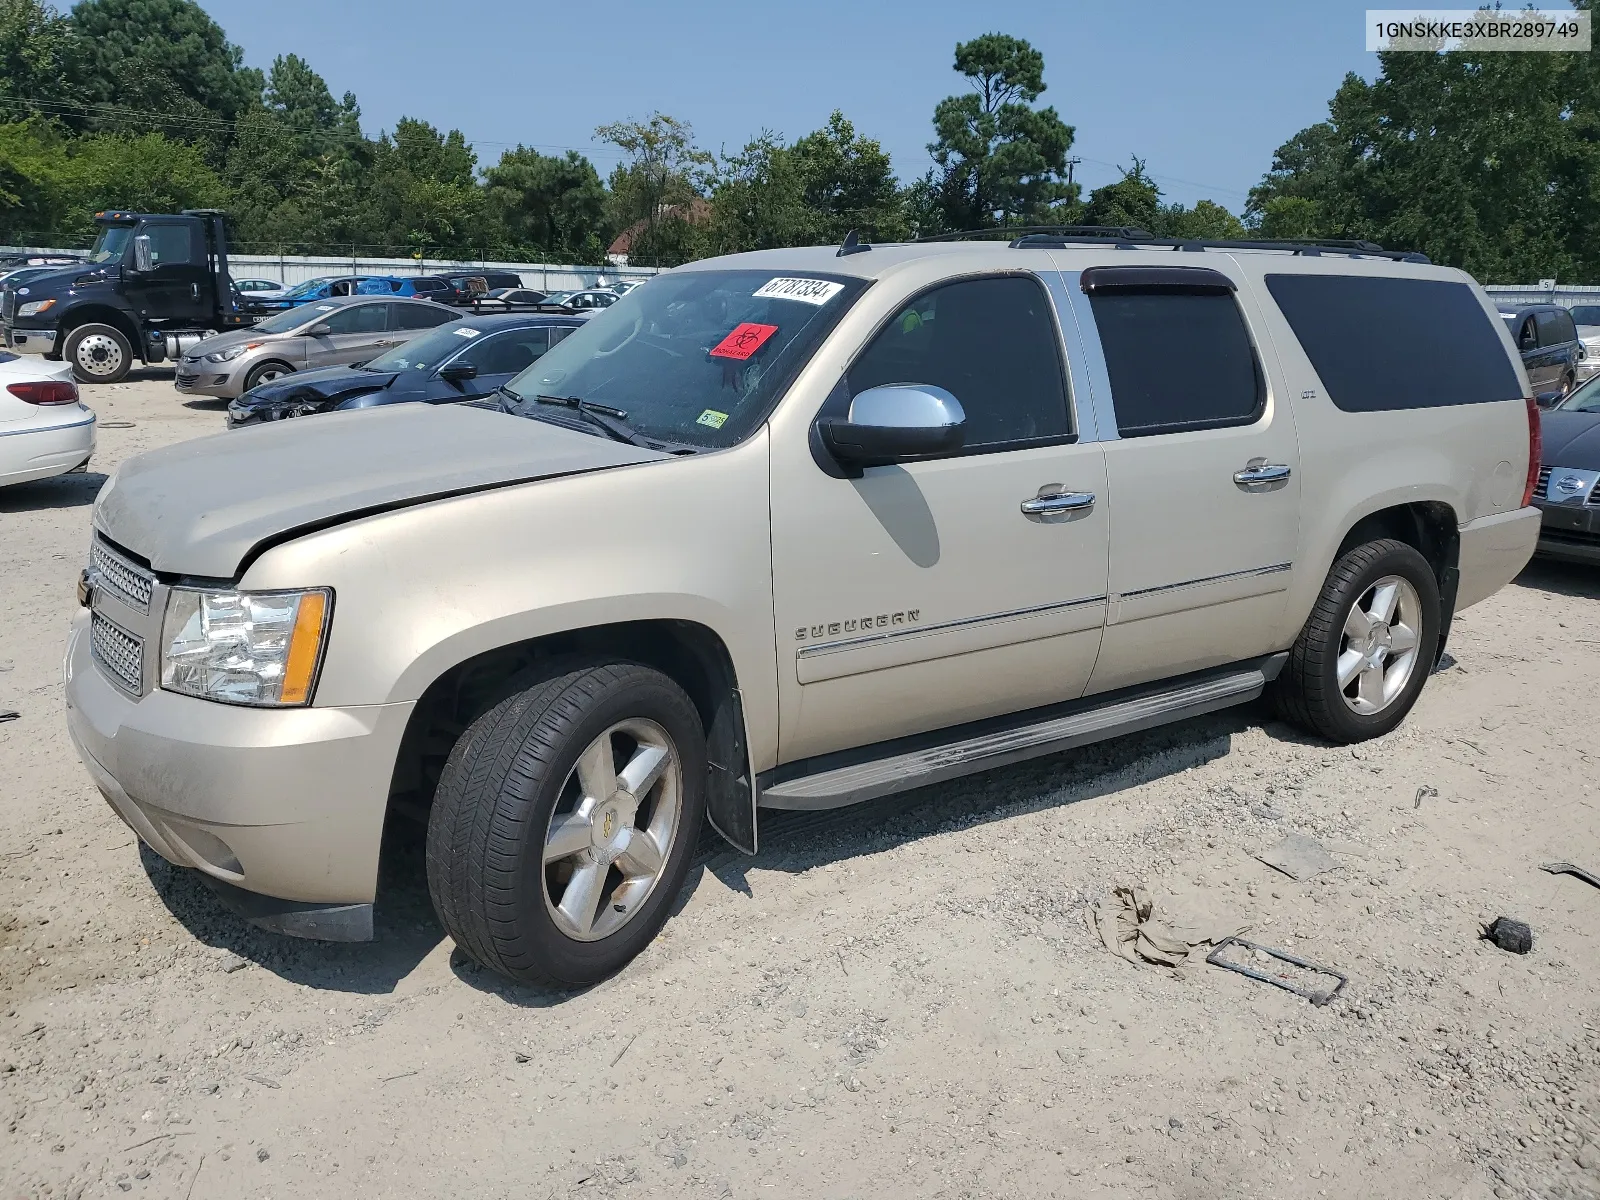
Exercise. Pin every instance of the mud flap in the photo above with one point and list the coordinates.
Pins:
(1449, 581)
(730, 795)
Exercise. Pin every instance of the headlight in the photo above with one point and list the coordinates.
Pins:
(231, 353)
(260, 648)
(34, 307)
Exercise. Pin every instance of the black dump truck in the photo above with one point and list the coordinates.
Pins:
(151, 286)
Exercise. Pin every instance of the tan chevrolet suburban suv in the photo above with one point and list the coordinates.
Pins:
(791, 529)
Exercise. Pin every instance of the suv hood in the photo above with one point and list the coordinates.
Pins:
(1571, 439)
(201, 507)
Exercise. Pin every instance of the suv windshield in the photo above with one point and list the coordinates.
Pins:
(696, 358)
(429, 350)
(111, 242)
(1586, 314)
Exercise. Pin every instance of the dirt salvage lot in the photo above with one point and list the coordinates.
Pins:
(898, 1000)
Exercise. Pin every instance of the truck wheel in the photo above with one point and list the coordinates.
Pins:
(99, 354)
(1366, 650)
(564, 822)
(265, 373)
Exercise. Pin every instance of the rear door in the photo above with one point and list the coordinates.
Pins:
(1558, 344)
(1202, 472)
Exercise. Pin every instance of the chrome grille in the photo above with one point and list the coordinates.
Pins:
(1541, 490)
(127, 581)
(8, 303)
(119, 653)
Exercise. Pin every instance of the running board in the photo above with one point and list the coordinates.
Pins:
(840, 786)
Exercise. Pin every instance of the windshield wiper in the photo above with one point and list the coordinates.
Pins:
(509, 400)
(613, 422)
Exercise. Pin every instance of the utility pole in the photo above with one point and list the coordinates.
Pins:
(1071, 162)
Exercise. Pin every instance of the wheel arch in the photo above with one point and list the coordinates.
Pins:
(1428, 526)
(692, 654)
(100, 314)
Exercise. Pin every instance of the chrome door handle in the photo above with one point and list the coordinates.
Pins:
(1057, 505)
(1261, 473)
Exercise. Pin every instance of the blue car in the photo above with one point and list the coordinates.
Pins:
(464, 360)
(328, 286)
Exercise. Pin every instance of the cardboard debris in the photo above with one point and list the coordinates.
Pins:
(1298, 857)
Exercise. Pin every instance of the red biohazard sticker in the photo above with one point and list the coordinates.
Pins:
(744, 341)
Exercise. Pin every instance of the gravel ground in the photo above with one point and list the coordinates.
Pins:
(898, 1000)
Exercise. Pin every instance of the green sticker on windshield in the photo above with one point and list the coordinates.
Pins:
(712, 418)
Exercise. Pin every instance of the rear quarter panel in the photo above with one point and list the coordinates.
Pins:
(1471, 457)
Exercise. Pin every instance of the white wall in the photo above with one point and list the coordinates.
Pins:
(1517, 294)
(292, 269)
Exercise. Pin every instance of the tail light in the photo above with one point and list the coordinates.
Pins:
(1535, 451)
(47, 392)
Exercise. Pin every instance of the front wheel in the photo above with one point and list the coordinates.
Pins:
(564, 822)
(265, 373)
(1364, 654)
(99, 354)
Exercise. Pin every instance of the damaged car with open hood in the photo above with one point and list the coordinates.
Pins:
(463, 360)
(792, 529)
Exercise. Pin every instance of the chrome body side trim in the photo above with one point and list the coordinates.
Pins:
(917, 768)
(1252, 573)
(872, 639)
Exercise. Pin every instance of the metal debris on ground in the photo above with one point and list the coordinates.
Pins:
(1424, 791)
(1509, 934)
(1317, 998)
(1566, 868)
(1298, 857)
(9, 714)
(1127, 925)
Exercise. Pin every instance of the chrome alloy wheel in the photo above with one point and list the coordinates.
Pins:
(268, 374)
(612, 829)
(99, 355)
(1378, 648)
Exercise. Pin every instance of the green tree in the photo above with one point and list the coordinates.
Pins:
(848, 183)
(1134, 200)
(135, 58)
(657, 187)
(300, 98)
(35, 42)
(148, 173)
(1000, 161)
(32, 162)
(421, 191)
(1489, 162)
(555, 206)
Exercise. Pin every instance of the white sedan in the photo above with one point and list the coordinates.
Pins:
(44, 427)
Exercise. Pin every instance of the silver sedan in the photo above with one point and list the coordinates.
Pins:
(327, 333)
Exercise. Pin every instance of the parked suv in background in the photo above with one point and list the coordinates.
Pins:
(791, 529)
(461, 288)
(328, 333)
(1547, 339)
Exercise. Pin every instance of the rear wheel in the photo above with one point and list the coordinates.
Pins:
(564, 822)
(99, 354)
(1365, 652)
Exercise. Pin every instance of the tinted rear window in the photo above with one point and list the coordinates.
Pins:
(1586, 314)
(1177, 361)
(1396, 343)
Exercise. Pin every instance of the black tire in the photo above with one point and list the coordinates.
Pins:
(1307, 692)
(99, 354)
(271, 367)
(494, 803)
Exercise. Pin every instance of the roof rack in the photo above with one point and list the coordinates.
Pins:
(1089, 233)
(1138, 239)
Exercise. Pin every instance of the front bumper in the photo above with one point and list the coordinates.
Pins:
(29, 341)
(1570, 532)
(285, 803)
(224, 381)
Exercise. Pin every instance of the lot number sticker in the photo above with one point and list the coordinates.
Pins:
(744, 341)
(807, 291)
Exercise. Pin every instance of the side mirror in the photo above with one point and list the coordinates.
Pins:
(1547, 399)
(322, 330)
(894, 423)
(142, 260)
(458, 372)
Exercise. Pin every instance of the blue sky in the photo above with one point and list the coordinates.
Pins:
(1203, 93)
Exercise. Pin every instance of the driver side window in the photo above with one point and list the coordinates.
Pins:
(991, 343)
(170, 244)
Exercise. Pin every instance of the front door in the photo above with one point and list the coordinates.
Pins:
(922, 595)
(1203, 473)
(355, 333)
(176, 291)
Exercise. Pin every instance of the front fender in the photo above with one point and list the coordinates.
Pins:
(420, 590)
